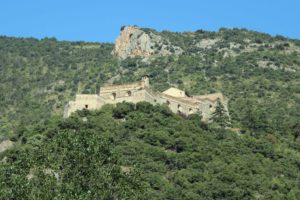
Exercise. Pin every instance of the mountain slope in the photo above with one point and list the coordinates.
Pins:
(39, 76)
(151, 152)
(258, 157)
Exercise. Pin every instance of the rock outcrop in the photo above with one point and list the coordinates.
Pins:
(5, 145)
(135, 42)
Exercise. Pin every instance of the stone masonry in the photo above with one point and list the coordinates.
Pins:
(175, 99)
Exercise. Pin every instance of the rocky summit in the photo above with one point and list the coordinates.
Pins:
(136, 42)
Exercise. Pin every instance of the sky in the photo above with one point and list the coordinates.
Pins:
(100, 21)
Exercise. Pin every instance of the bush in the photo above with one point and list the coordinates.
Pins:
(144, 107)
(122, 109)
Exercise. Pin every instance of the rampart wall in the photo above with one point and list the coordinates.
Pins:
(140, 91)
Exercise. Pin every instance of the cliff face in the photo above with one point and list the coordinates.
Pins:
(135, 42)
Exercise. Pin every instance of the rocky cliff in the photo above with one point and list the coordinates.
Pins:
(136, 42)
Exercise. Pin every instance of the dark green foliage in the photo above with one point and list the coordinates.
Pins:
(122, 109)
(220, 116)
(150, 155)
(144, 107)
(76, 163)
(37, 77)
(255, 118)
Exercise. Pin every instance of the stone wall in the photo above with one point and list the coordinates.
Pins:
(175, 105)
(141, 91)
(84, 101)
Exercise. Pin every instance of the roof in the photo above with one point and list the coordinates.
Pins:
(174, 92)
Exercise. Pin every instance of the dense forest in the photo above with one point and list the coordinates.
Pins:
(145, 151)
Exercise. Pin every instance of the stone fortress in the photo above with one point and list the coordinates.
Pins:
(175, 99)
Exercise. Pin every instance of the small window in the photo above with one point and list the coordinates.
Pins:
(211, 107)
(86, 106)
(128, 93)
(179, 108)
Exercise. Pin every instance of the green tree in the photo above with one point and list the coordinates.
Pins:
(76, 165)
(220, 115)
(255, 117)
(122, 109)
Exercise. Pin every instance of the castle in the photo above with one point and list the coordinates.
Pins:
(175, 99)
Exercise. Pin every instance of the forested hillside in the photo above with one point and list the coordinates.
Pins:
(157, 155)
(259, 73)
(147, 152)
(39, 77)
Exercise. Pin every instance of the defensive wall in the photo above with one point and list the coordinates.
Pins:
(136, 92)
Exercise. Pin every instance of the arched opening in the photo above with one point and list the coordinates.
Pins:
(179, 108)
(113, 96)
(128, 93)
(86, 106)
(168, 103)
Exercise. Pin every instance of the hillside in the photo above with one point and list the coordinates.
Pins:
(39, 76)
(147, 153)
(170, 157)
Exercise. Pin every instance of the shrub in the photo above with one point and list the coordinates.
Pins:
(122, 109)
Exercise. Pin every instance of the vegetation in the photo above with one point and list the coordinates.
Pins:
(67, 161)
(144, 151)
(220, 116)
(149, 153)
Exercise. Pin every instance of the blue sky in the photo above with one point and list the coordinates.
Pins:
(99, 20)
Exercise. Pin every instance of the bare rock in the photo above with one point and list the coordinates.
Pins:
(135, 42)
(207, 43)
(5, 145)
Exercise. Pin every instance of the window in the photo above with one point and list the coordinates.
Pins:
(86, 106)
(179, 108)
(211, 108)
(128, 93)
(113, 96)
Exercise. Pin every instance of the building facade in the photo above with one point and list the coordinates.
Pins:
(175, 99)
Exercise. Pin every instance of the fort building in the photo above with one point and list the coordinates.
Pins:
(175, 99)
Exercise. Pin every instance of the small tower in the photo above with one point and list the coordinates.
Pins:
(145, 79)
